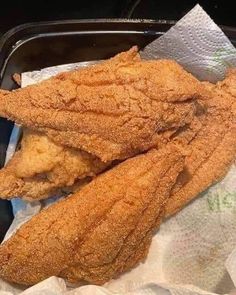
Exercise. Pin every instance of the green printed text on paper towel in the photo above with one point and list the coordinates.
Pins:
(221, 201)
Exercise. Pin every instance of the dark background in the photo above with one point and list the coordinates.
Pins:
(14, 13)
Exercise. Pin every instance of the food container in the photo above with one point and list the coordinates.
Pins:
(38, 45)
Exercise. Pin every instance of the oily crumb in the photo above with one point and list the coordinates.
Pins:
(17, 78)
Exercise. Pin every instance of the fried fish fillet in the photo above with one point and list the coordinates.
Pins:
(213, 148)
(229, 83)
(41, 168)
(113, 110)
(99, 232)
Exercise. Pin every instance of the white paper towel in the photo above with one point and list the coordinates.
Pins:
(188, 254)
(198, 44)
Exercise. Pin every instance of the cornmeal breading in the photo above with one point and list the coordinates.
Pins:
(99, 232)
(41, 168)
(113, 110)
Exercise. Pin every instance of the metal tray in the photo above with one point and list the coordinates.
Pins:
(38, 45)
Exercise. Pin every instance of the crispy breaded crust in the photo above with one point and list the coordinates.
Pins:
(41, 168)
(99, 232)
(113, 110)
(213, 148)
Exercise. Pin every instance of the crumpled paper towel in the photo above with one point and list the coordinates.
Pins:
(188, 253)
(198, 44)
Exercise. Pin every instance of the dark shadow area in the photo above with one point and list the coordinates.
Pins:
(17, 12)
(5, 206)
(6, 217)
(221, 287)
(222, 12)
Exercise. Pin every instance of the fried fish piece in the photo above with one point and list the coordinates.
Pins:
(229, 83)
(213, 148)
(113, 110)
(41, 168)
(99, 232)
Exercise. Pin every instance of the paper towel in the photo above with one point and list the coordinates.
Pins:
(198, 44)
